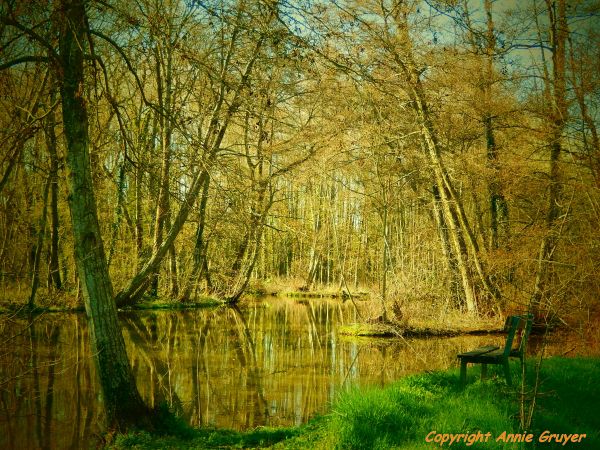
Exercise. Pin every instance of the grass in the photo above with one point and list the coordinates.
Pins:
(205, 438)
(571, 399)
(402, 414)
(146, 304)
(416, 329)
(368, 330)
(325, 294)
(160, 303)
(23, 309)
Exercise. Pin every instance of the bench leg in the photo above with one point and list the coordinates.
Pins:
(483, 371)
(463, 372)
(506, 365)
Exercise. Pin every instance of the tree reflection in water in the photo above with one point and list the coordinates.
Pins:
(273, 362)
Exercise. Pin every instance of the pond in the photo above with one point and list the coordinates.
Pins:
(272, 362)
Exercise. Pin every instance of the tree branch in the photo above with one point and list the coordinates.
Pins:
(22, 60)
(32, 34)
(128, 64)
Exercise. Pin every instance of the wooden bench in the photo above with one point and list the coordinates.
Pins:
(518, 328)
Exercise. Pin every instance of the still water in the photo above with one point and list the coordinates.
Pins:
(272, 362)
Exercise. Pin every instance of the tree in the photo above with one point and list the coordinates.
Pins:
(498, 207)
(124, 406)
(390, 34)
(227, 97)
(122, 400)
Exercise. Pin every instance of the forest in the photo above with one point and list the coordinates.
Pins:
(440, 157)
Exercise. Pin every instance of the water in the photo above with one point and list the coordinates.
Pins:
(273, 362)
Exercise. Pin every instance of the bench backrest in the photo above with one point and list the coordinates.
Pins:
(518, 329)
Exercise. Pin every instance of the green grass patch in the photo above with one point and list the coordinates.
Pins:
(367, 329)
(21, 310)
(302, 294)
(401, 415)
(390, 329)
(570, 400)
(206, 438)
(320, 294)
(155, 304)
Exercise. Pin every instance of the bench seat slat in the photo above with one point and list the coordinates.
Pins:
(479, 351)
(491, 357)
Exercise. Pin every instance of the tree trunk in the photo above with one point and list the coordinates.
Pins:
(163, 82)
(457, 293)
(133, 291)
(199, 246)
(242, 276)
(35, 277)
(558, 119)
(498, 206)
(460, 231)
(53, 265)
(251, 247)
(315, 254)
(118, 211)
(173, 281)
(384, 257)
(139, 225)
(122, 401)
(448, 202)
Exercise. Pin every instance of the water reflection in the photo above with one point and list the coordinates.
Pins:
(275, 362)
(47, 384)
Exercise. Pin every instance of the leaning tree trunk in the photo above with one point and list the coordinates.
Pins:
(122, 401)
(454, 212)
(448, 207)
(213, 139)
(252, 245)
(241, 276)
(466, 248)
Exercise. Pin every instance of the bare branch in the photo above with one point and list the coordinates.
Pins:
(129, 65)
(23, 60)
(32, 34)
